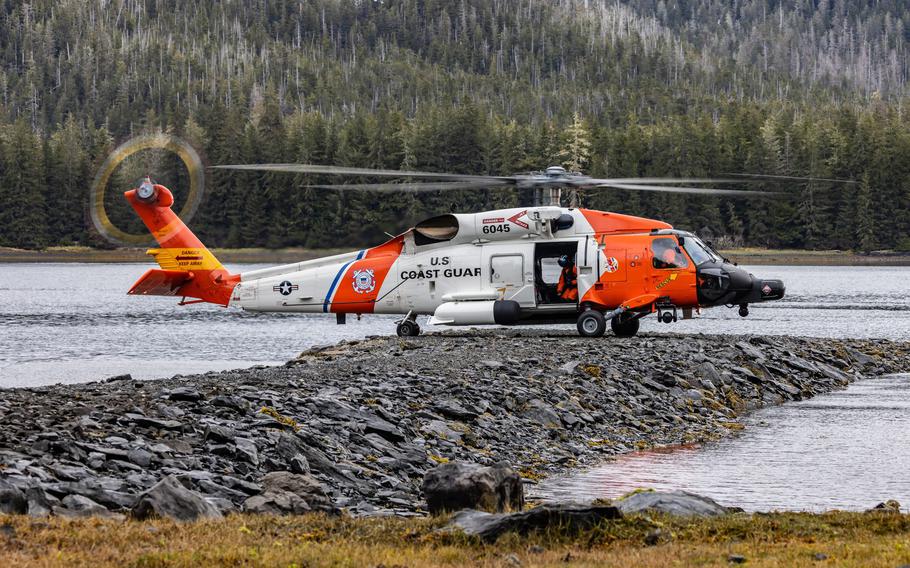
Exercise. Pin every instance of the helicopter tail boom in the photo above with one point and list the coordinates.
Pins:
(188, 268)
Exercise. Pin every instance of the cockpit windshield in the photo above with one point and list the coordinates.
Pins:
(699, 251)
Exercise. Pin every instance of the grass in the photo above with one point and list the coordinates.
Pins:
(786, 539)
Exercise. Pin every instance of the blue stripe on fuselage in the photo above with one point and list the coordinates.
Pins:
(328, 297)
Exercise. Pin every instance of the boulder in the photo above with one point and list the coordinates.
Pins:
(79, 506)
(169, 499)
(568, 517)
(12, 499)
(456, 486)
(187, 394)
(677, 503)
(39, 503)
(286, 493)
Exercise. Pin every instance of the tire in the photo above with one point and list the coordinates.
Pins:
(624, 326)
(591, 323)
(408, 328)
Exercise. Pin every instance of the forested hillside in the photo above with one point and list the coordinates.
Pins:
(650, 87)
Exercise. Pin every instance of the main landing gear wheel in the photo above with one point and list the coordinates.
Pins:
(592, 323)
(625, 325)
(408, 328)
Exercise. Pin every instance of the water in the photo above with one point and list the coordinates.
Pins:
(844, 450)
(74, 322)
(66, 323)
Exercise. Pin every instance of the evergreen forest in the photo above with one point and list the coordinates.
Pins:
(612, 88)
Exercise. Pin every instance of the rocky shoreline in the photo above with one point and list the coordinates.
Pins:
(368, 419)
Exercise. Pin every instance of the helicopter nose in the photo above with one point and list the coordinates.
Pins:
(764, 290)
(726, 283)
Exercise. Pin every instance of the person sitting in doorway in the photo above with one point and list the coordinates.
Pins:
(567, 287)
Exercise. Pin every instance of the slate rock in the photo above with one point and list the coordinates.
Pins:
(542, 413)
(568, 517)
(170, 499)
(374, 424)
(140, 457)
(219, 433)
(79, 506)
(186, 394)
(12, 500)
(40, 504)
(291, 449)
(146, 422)
(247, 450)
(455, 486)
(677, 503)
(286, 493)
(451, 408)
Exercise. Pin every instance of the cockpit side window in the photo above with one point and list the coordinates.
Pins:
(666, 254)
(698, 251)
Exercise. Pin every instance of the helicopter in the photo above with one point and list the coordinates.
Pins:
(541, 263)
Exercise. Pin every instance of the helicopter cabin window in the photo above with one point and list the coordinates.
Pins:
(436, 230)
(666, 254)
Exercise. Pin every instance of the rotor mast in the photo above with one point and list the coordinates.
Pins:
(547, 187)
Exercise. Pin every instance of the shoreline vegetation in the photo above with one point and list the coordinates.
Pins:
(776, 539)
(747, 256)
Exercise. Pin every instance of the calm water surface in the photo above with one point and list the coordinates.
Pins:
(74, 322)
(843, 450)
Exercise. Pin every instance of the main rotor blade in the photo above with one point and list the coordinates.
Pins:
(415, 187)
(690, 190)
(772, 178)
(345, 171)
(660, 181)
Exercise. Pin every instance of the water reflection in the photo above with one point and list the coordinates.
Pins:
(844, 450)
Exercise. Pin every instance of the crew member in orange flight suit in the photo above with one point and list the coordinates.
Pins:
(567, 288)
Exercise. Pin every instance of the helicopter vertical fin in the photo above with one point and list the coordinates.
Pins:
(188, 268)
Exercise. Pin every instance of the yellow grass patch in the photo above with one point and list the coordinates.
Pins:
(842, 539)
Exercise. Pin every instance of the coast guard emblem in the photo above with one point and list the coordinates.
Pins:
(364, 281)
(612, 265)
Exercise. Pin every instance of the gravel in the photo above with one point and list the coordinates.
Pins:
(367, 419)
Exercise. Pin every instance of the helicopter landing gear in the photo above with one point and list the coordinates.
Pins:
(743, 310)
(408, 327)
(625, 325)
(591, 323)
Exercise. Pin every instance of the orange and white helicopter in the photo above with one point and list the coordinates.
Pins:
(538, 264)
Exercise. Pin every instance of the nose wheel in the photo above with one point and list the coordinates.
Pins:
(408, 328)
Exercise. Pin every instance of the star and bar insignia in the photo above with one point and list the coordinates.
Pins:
(285, 288)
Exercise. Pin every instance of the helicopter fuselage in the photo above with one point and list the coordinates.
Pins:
(500, 267)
